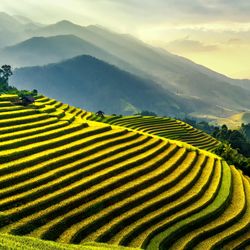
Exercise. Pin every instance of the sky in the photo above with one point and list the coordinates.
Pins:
(214, 33)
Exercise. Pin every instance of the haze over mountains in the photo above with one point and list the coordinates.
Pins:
(84, 78)
(45, 50)
(15, 29)
(202, 90)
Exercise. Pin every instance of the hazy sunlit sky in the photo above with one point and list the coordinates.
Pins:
(215, 33)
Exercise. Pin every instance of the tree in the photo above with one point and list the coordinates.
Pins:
(34, 92)
(5, 73)
(233, 157)
(147, 113)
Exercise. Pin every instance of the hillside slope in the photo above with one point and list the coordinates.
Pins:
(10, 242)
(41, 50)
(96, 85)
(71, 180)
(44, 50)
(165, 127)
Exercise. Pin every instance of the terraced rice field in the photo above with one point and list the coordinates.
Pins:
(67, 179)
(8, 242)
(164, 127)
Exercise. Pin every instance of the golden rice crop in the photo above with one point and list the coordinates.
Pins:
(232, 213)
(166, 237)
(67, 176)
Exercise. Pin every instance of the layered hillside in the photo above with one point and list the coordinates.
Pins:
(165, 127)
(11, 242)
(68, 179)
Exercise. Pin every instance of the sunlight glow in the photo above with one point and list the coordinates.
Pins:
(161, 24)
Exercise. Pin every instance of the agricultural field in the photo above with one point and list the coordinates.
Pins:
(169, 128)
(8, 242)
(67, 179)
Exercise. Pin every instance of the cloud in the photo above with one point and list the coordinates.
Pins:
(189, 46)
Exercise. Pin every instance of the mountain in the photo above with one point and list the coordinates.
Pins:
(244, 83)
(15, 29)
(174, 73)
(41, 50)
(191, 82)
(92, 84)
(44, 50)
(22, 19)
(9, 27)
(8, 22)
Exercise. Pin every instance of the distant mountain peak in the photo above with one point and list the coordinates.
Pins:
(67, 23)
(6, 17)
(37, 42)
(64, 21)
(8, 22)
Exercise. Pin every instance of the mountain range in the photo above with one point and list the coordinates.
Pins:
(92, 84)
(45, 50)
(201, 89)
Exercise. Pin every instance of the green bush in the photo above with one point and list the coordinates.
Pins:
(233, 157)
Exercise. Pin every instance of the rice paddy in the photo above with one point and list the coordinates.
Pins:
(70, 181)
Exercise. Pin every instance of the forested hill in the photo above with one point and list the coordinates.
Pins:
(90, 83)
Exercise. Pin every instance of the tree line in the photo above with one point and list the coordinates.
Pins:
(235, 144)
